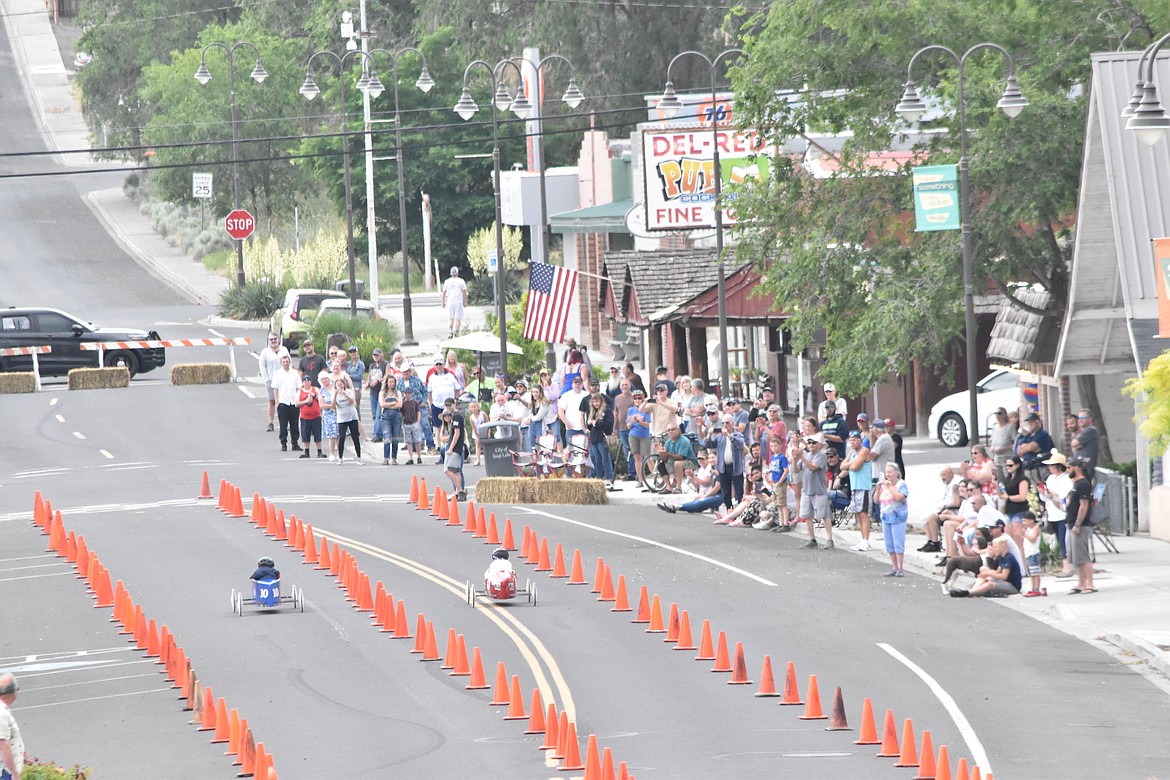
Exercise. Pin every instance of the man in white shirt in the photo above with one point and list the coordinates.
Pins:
(955, 521)
(569, 408)
(831, 400)
(286, 385)
(949, 500)
(441, 386)
(453, 299)
(269, 365)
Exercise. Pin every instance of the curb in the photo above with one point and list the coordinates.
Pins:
(1144, 650)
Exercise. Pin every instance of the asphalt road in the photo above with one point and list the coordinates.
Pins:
(326, 692)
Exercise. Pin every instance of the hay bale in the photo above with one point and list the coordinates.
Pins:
(98, 378)
(527, 490)
(201, 374)
(18, 382)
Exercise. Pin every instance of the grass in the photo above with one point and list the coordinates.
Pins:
(221, 261)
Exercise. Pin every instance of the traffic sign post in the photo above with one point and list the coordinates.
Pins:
(240, 224)
(201, 188)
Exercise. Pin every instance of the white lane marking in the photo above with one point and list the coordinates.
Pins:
(246, 391)
(37, 566)
(34, 576)
(106, 454)
(29, 557)
(152, 673)
(811, 755)
(216, 333)
(4, 662)
(978, 754)
(662, 545)
(78, 434)
(52, 402)
(40, 473)
(95, 698)
(60, 418)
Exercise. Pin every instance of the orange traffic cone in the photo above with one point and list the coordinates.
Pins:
(310, 546)
(420, 634)
(508, 543)
(439, 505)
(812, 710)
(39, 505)
(791, 692)
(401, 627)
(837, 721)
(477, 681)
(260, 762)
(336, 562)
(672, 624)
(607, 593)
(453, 512)
(558, 568)
(621, 601)
(961, 770)
(248, 755)
(562, 736)
(233, 744)
(889, 748)
(469, 523)
(222, 724)
(516, 702)
(480, 524)
(543, 563)
(536, 719)
(493, 533)
(926, 762)
(413, 497)
(153, 647)
(461, 668)
(868, 734)
(597, 575)
(685, 642)
(204, 488)
(577, 575)
(656, 625)
(430, 649)
(323, 562)
(284, 534)
(550, 728)
(643, 615)
(976, 774)
(722, 661)
(739, 671)
(908, 756)
(572, 759)
(449, 653)
(622, 772)
(592, 759)
(221, 497)
(531, 547)
(706, 646)
(207, 715)
(942, 768)
(500, 692)
(244, 741)
(767, 680)
(423, 499)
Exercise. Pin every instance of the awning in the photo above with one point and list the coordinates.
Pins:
(606, 218)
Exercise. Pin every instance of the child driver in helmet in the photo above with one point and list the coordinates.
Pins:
(499, 581)
(266, 570)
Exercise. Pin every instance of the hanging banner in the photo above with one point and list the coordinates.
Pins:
(936, 197)
(1162, 274)
(678, 169)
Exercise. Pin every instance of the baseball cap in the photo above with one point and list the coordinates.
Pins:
(614, 368)
(711, 407)
(593, 380)
(863, 416)
(351, 348)
(768, 390)
(879, 423)
(438, 361)
(637, 391)
(891, 422)
(377, 350)
(510, 390)
(1033, 417)
(818, 438)
(659, 386)
(830, 387)
(454, 270)
(854, 434)
(999, 523)
(521, 382)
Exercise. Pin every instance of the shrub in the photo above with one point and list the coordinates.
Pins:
(256, 300)
(34, 769)
(532, 359)
(362, 331)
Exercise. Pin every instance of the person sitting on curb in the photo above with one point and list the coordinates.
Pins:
(708, 499)
(751, 507)
(1003, 580)
(949, 504)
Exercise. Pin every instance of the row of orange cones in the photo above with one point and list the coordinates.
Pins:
(207, 713)
(678, 632)
(560, 733)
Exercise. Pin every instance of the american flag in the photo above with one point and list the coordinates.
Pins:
(550, 293)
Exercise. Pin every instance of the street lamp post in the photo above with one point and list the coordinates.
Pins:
(466, 108)
(203, 75)
(572, 98)
(670, 105)
(1145, 114)
(911, 108)
(424, 83)
(367, 83)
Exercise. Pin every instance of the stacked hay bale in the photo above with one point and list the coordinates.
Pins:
(98, 378)
(18, 382)
(526, 490)
(201, 374)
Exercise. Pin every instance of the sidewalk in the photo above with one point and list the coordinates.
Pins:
(1129, 617)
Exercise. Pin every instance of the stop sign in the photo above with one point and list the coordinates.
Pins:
(239, 224)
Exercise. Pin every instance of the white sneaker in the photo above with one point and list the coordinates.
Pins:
(862, 546)
(359, 461)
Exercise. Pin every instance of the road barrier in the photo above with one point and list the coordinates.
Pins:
(33, 351)
(101, 347)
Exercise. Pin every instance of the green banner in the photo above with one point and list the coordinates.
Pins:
(936, 197)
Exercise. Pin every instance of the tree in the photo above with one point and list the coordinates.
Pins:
(839, 253)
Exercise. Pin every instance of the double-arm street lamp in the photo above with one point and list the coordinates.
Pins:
(424, 83)
(203, 75)
(1145, 114)
(370, 84)
(572, 98)
(466, 108)
(670, 105)
(911, 108)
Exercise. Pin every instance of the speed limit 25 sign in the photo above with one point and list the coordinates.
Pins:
(201, 186)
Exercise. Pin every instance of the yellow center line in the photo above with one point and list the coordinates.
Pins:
(490, 611)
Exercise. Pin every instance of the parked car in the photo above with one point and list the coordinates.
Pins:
(34, 327)
(948, 418)
(289, 321)
(341, 306)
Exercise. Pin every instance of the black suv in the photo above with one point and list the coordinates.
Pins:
(34, 327)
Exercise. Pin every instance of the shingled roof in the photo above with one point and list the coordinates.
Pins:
(663, 278)
(1023, 337)
(613, 268)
